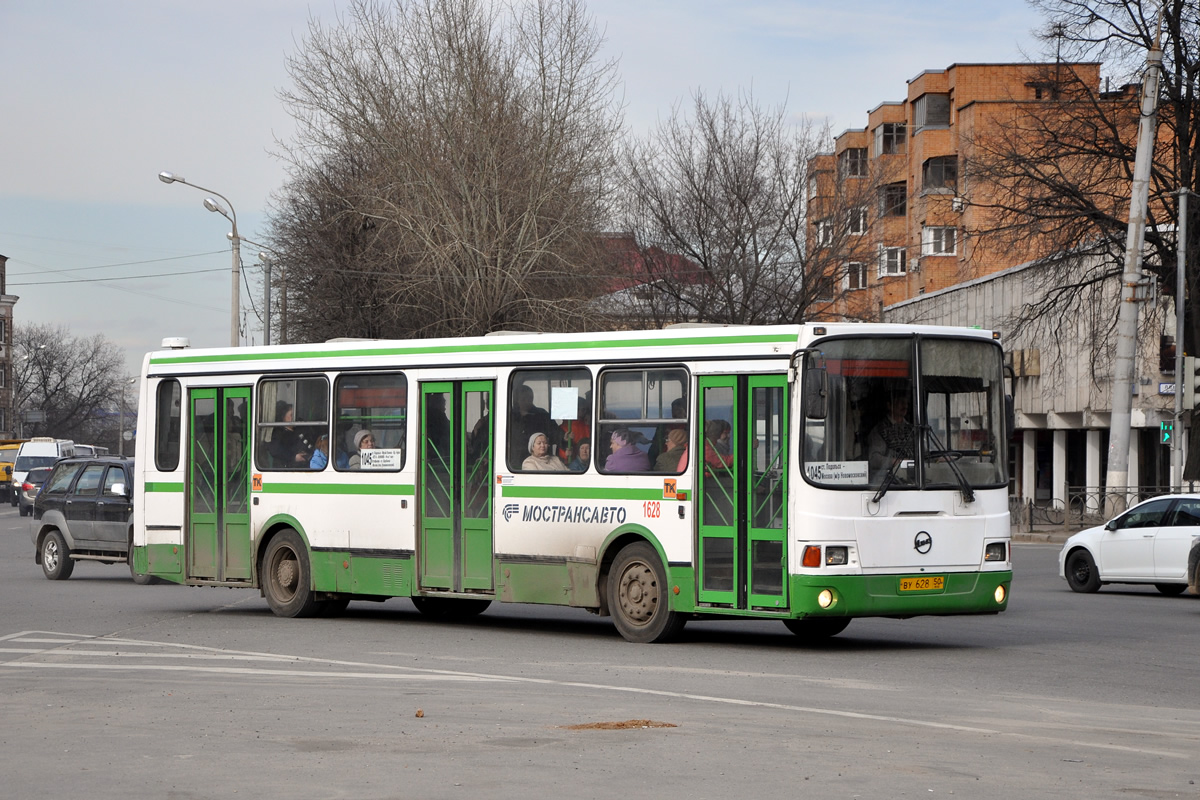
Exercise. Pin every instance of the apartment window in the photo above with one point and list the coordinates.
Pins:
(891, 138)
(3, 330)
(823, 292)
(856, 223)
(931, 111)
(894, 200)
(938, 241)
(856, 275)
(824, 233)
(852, 162)
(940, 172)
(892, 261)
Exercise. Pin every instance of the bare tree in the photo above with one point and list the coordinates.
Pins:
(74, 383)
(726, 188)
(448, 172)
(1058, 180)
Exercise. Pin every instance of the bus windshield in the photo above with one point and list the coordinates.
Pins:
(904, 413)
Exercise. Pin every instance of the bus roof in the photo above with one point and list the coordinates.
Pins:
(671, 343)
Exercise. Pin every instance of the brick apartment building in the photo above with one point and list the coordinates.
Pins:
(897, 201)
(893, 196)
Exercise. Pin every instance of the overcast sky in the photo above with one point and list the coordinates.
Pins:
(99, 97)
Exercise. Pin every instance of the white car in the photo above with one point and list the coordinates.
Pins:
(1149, 543)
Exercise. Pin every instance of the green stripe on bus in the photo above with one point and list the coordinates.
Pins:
(160, 486)
(338, 488)
(508, 346)
(579, 493)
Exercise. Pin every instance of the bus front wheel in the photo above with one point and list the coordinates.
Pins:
(287, 577)
(638, 598)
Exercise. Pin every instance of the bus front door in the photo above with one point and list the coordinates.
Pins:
(218, 490)
(455, 549)
(742, 553)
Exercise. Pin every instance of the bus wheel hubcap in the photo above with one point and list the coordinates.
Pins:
(639, 593)
(285, 574)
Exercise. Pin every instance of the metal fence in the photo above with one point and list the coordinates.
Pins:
(1085, 506)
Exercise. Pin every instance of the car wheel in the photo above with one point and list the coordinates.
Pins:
(1171, 589)
(1082, 575)
(56, 557)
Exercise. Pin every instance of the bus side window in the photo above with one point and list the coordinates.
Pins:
(166, 426)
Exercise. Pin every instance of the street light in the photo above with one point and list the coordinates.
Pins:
(121, 436)
(231, 215)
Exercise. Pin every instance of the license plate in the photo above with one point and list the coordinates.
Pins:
(928, 583)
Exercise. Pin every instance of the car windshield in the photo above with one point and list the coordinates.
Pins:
(904, 413)
(26, 463)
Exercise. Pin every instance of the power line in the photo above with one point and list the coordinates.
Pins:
(122, 278)
(109, 266)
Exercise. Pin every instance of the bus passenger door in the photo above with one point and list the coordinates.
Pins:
(218, 475)
(742, 491)
(456, 486)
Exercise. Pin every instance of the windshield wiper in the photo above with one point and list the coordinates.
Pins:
(951, 458)
(887, 479)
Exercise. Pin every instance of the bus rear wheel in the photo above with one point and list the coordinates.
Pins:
(638, 599)
(287, 577)
(818, 627)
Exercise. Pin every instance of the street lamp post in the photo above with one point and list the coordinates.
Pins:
(125, 384)
(231, 215)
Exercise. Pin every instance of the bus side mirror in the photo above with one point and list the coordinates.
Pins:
(816, 388)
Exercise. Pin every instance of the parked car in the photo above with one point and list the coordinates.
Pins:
(1149, 543)
(83, 511)
(29, 489)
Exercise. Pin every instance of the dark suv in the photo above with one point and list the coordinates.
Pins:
(82, 512)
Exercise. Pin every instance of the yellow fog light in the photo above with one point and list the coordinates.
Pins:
(825, 598)
(1000, 594)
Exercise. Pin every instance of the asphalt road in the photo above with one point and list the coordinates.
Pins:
(108, 689)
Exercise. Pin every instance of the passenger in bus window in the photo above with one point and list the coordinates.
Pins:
(717, 452)
(363, 440)
(527, 419)
(540, 458)
(437, 424)
(583, 456)
(626, 456)
(670, 459)
(575, 430)
(320, 456)
(892, 439)
(288, 447)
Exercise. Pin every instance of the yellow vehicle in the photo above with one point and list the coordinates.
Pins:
(8, 455)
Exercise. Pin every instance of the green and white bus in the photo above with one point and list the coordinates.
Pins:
(810, 473)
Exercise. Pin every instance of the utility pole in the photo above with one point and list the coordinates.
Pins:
(1180, 305)
(1131, 277)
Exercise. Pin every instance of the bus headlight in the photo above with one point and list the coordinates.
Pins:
(835, 556)
(996, 551)
(825, 598)
(1001, 593)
